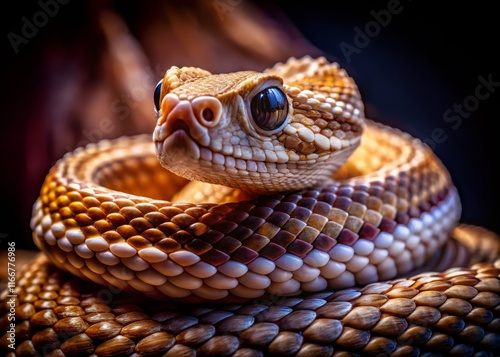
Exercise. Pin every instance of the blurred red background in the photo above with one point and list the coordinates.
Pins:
(80, 71)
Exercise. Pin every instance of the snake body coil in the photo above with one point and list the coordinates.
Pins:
(308, 220)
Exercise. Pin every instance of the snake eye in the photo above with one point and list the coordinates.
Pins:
(269, 108)
(156, 96)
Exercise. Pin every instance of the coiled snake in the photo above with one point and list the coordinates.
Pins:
(306, 238)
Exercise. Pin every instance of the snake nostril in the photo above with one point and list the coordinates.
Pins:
(208, 114)
(208, 110)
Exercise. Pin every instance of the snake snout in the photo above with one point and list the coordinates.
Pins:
(193, 117)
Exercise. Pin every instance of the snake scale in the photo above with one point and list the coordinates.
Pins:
(286, 223)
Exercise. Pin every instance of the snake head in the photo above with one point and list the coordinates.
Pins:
(287, 128)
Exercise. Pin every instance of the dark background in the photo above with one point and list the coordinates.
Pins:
(411, 70)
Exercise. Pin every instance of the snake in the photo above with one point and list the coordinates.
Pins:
(266, 215)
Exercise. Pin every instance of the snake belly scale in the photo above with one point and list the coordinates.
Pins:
(279, 200)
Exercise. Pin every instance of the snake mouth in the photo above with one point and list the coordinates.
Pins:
(180, 116)
(180, 140)
(178, 125)
(178, 144)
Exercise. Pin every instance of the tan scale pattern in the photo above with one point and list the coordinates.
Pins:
(351, 231)
(453, 313)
